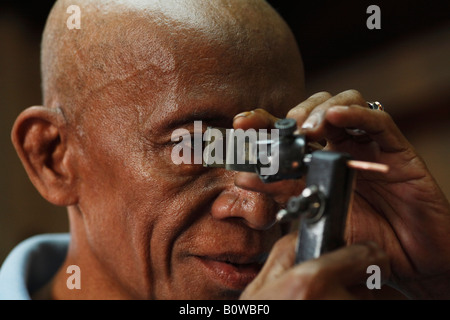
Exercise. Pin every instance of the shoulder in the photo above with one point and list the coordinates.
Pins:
(31, 264)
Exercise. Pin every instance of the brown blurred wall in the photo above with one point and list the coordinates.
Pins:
(23, 212)
(405, 65)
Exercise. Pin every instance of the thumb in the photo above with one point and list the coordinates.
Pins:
(334, 275)
(281, 259)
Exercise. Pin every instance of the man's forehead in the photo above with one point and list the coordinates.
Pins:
(241, 23)
(122, 37)
(217, 83)
(199, 13)
(181, 56)
(214, 106)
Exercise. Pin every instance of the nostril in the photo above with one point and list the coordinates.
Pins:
(255, 210)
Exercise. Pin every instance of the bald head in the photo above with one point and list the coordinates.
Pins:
(122, 44)
(115, 91)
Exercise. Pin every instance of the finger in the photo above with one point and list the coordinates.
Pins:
(261, 119)
(334, 275)
(314, 126)
(281, 258)
(378, 125)
(280, 191)
(255, 119)
(301, 112)
(348, 265)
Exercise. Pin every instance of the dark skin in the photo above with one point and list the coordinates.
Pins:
(140, 227)
(403, 211)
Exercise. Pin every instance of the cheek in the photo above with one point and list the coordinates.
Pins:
(134, 186)
(159, 163)
(136, 205)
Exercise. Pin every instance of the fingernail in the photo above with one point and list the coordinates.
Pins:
(311, 122)
(243, 114)
(339, 108)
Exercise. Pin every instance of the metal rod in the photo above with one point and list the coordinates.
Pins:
(368, 166)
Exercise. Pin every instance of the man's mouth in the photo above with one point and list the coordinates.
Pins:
(232, 271)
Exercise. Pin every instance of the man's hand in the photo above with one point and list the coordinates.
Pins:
(404, 211)
(336, 275)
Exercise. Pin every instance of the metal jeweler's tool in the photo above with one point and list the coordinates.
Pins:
(323, 204)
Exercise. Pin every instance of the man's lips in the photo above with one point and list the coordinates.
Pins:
(231, 270)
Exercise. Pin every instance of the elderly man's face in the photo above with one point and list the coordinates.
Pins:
(168, 231)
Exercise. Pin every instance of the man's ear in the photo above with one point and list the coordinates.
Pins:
(39, 137)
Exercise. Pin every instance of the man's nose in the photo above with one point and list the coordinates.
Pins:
(256, 210)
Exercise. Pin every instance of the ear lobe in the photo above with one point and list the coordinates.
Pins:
(39, 137)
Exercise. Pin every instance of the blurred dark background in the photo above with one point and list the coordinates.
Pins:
(405, 65)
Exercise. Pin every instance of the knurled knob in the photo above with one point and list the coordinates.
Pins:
(286, 126)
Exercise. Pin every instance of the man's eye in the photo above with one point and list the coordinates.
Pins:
(190, 141)
(185, 142)
(188, 150)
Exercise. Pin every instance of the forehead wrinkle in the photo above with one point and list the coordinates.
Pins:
(135, 84)
(110, 46)
(126, 52)
(124, 45)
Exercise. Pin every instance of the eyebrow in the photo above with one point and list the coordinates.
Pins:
(217, 119)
